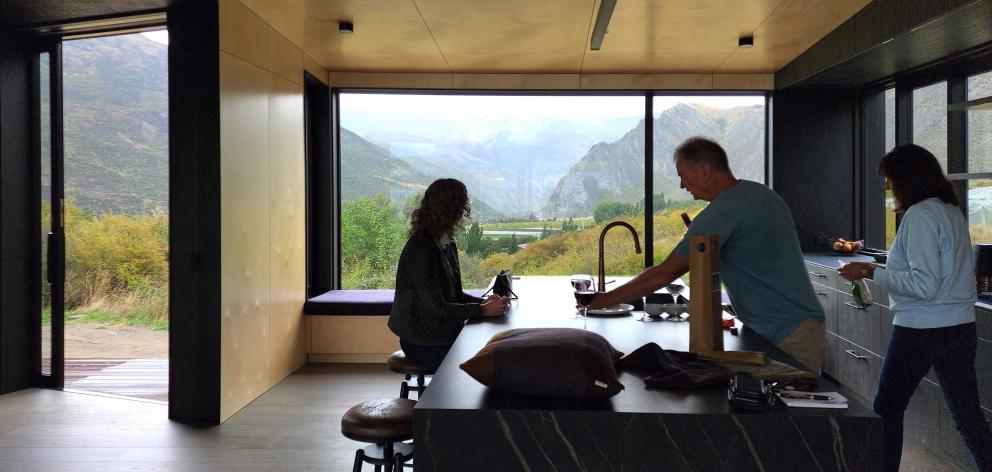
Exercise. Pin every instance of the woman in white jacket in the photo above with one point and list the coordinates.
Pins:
(930, 276)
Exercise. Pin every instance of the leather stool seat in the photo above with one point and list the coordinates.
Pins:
(385, 424)
(399, 363)
(379, 421)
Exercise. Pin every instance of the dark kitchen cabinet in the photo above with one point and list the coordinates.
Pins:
(828, 299)
(860, 325)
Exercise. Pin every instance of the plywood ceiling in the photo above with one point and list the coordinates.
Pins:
(552, 36)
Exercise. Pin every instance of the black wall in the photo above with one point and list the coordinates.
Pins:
(194, 212)
(813, 163)
(20, 233)
(890, 37)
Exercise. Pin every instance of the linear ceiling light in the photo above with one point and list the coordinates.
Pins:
(602, 22)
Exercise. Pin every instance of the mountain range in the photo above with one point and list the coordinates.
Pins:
(116, 123)
(551, 169)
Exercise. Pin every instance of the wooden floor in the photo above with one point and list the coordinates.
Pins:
(138, 378)
(295, 426)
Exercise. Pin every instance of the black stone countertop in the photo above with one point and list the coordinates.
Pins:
(548, 302)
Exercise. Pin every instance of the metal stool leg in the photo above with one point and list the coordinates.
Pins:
(405, 390)
(359, 455)
(398, 458)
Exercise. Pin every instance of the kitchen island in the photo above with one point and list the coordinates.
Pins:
(461, 425)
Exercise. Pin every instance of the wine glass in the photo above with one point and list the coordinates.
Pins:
(584, 298)
(675, 290)
(581, 281)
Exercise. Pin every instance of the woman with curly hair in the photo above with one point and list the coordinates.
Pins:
(430, 308)
(930, 275)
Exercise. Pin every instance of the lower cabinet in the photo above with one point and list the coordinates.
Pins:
(860, 325)
(830, 349)
(857, 369)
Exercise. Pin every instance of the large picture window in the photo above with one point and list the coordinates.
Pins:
(979, 152)
(545, 173)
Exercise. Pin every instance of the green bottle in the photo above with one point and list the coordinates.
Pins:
(859, 289)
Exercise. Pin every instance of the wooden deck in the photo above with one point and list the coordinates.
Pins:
(137, 378)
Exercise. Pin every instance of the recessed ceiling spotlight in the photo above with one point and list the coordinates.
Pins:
(345, 27)
(745, 42)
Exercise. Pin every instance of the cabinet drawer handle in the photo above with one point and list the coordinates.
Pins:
(856, 355)
(822, 294)
(856, 307)
(817, 274)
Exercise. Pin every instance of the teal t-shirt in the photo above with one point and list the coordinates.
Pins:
(761, 262)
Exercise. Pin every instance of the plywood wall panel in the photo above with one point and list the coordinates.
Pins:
(546, 63)
(244, 233)
(287, 226)
(285, 59)
(388, 80)
(648, 81)
(243, 33)
(744, 81)
(352, 335)
(517, 81)
(553, 81)
(314, 68)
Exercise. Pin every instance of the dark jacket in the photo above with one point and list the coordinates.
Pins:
(429, 307)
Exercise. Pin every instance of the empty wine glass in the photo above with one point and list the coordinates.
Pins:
(677, 309)
(581, 281)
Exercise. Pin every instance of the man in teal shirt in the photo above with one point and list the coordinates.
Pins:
(760, 259)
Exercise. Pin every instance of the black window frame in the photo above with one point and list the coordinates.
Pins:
(333, 193)
(954, 70)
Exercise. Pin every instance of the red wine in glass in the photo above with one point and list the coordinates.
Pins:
(585, 297)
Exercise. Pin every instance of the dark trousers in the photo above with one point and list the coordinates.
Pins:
(951, 353)
(427, 357)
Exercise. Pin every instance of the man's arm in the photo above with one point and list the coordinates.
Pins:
(647, 282)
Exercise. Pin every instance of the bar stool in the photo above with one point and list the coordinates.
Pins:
(400, 364)
(385, 424)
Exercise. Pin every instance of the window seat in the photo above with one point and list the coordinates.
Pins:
(356, 302)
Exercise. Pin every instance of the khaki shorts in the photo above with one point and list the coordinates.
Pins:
(806, 344)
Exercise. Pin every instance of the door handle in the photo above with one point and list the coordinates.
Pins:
(856, 355)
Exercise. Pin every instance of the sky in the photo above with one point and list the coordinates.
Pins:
(159, 36)
(365, 112)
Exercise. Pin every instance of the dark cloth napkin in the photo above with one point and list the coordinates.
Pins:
(674, 369)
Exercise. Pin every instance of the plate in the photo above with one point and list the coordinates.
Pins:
(614, 310)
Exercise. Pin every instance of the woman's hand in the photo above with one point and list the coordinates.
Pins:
(857, 270)
(495, 305)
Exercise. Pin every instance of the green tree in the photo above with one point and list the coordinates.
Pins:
(473, 240)
(659, 202)
(372, 236)
(608, 210)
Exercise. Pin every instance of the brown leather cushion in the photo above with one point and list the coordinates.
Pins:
(398, 362)
(556, 362)
(386, 420)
